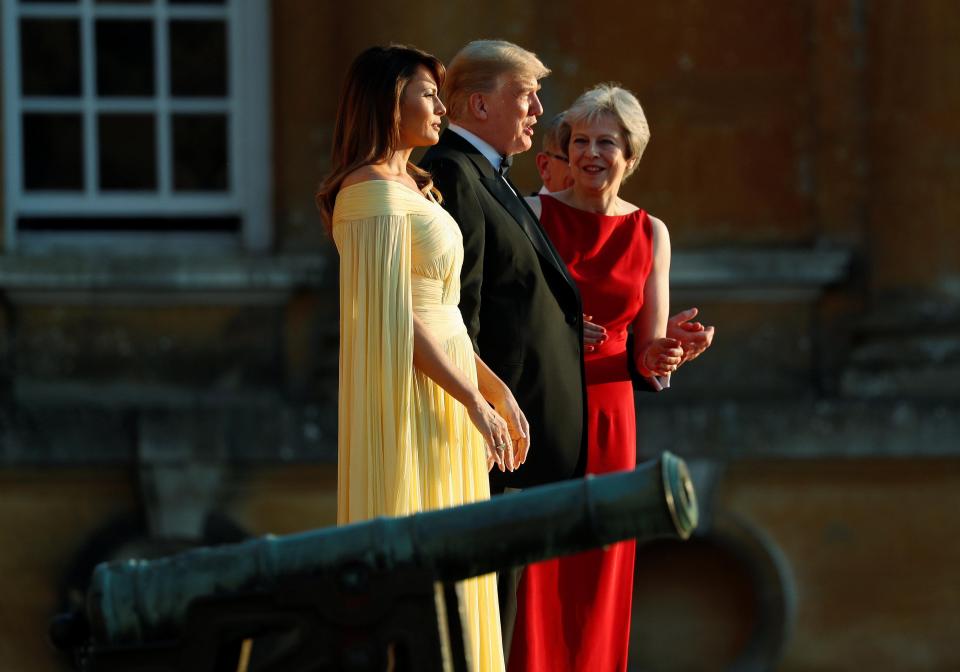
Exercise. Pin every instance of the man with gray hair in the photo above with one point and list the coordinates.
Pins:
(553, 164)
(520, 305)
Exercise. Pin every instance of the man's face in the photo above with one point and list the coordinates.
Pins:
(554, 170)
(512, 110)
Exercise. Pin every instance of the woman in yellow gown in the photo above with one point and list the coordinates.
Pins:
(416, 430)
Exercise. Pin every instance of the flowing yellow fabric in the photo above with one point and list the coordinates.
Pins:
(405, 445)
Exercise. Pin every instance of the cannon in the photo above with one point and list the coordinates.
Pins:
(374, 595)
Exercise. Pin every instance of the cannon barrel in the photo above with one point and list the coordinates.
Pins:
(136, 600)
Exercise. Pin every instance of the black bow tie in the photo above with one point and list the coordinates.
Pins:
(505, 162)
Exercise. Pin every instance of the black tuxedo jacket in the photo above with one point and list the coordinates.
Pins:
(521, 307)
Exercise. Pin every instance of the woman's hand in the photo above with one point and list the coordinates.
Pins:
(497, 393)
(660, 357)
(495, 433)
(593, 334)
(508, 408)
(694, 337)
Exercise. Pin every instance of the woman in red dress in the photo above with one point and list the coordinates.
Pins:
(574, 612)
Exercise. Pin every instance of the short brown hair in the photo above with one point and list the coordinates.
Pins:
(477, 67)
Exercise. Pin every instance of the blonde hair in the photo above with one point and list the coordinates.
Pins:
(610, 99)
(477, 67)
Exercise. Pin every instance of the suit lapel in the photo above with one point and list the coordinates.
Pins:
(532, 217)
(521, 213)
(512, 203)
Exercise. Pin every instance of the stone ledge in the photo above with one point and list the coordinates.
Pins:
(758, 268)
(61, 278)
(118, 394)
(801, 429)
(707, 268)
(61, 435)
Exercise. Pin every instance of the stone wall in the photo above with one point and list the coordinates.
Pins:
(804, 156)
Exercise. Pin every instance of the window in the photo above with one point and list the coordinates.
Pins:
(136, 123)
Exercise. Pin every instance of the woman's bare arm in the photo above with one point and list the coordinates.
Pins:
(429, 358)
(497, 393)
(654, 353)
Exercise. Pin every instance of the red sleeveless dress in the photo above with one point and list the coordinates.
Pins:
(573, 613)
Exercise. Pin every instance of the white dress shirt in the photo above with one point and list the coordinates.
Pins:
(484, 147)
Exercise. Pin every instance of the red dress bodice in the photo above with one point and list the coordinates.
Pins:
(609, 257)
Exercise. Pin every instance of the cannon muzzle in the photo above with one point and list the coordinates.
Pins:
(133, 600)
(354, 593)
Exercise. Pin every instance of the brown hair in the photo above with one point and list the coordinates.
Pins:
(478, 66)
(368, 117)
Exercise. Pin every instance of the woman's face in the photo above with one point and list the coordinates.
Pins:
(598, 154)
(420, 110)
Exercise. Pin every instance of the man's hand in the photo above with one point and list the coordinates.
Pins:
(693, 336)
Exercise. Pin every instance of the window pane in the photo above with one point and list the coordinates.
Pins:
(198, 58)
(124, 58)
(50, 57)
(128, 157)
(200, 152)
(53, 152)
(196, 2)
(124, 2)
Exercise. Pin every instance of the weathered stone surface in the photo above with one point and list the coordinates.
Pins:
(800, 429)
(58, 435)
(872, 544)
(89, 274)
(758, 269)
(806, 158)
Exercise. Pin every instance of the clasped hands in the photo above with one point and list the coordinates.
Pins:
(504, 428)
(694, 337)
(685, 341)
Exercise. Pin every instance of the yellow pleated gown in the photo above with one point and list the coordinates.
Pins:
(404, 444)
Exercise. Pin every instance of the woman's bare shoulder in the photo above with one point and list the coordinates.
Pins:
(661, 237)
(658, 225)
(361, 174)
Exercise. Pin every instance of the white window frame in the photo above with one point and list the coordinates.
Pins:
(247, 108)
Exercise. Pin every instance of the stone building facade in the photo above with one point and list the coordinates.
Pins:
(168, 322)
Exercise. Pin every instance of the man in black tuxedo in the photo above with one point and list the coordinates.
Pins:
(521, 307)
